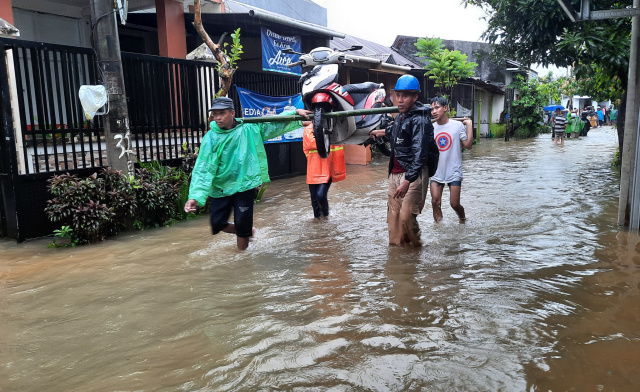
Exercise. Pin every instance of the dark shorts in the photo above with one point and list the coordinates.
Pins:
(242, 205)
(452, 183)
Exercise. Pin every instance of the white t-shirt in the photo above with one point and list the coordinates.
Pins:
(449, 139)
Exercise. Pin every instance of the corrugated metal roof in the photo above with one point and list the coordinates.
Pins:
(374, 50)
(234, 7)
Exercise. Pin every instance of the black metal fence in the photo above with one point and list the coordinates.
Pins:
(51, 134)
(168, 101)
(44, 131)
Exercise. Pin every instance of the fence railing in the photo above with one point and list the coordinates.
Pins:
(51, 134)
(167, 100)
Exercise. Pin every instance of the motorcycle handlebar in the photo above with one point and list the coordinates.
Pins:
(294, 64)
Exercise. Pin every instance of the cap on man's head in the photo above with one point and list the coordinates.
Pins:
(222, 103)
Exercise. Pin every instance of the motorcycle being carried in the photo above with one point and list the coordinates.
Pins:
(321, 93)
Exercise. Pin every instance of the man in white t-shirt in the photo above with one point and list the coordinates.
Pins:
(451, 137)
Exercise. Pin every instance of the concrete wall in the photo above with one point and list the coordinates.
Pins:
(487, 109)
(44, 21)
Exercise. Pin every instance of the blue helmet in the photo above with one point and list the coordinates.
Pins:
(407, 83)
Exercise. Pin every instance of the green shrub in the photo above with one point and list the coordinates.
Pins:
(497, 130)
(121, 196)
(158, 190)
(616, 159)
(95, 207)
(79, 204)
(526, 111)
(64, 233)
(530, 131)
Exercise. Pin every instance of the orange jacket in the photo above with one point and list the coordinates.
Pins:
(320, 170)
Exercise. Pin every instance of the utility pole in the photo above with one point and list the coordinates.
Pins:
(116, 124)
(629, 201)
(628, 154)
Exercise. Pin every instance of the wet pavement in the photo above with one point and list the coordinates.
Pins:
(540, 290)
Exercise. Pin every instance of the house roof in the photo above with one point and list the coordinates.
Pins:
(236, 8)
(248, 19)
(492, 87)
(373, 50)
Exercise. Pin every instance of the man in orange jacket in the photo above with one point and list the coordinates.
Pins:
(321, 172)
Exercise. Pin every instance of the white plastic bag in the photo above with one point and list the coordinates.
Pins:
(92, 98)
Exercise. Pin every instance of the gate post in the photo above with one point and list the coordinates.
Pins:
(8, 157)
(116, 127)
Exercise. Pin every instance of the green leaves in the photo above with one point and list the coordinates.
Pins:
(92, 208)
(232, 52)
(526, 111)
(444, 67)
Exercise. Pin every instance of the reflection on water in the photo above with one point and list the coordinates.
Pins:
(538, 291)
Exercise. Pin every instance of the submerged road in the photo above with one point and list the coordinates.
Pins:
(540, 290)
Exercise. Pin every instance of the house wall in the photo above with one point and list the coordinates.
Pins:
(66, 27)
(487, 109)
(498, 107)
(6, 12)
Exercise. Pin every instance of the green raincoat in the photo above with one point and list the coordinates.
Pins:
(234, 160)
(575, 124)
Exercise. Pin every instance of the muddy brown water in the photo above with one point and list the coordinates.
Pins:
(538, 291)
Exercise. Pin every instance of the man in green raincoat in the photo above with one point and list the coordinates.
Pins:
(231, 163)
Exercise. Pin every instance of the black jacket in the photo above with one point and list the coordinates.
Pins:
(412, 142)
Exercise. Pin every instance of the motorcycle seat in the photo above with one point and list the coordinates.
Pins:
(361, 88)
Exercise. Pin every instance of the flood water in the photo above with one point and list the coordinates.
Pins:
(539, 291)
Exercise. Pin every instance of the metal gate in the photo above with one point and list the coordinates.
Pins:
(44, 132)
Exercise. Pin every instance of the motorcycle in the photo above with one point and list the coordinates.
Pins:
(321, 93)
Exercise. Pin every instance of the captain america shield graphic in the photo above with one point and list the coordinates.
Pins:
(444, 141)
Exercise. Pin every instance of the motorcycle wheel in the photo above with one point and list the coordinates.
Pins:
(322, 138)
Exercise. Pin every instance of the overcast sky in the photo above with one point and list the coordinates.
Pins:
(381, 21)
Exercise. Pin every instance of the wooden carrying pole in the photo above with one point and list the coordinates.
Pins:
(347, 113)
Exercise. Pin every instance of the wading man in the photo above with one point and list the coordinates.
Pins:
(559, 126)
(413, 152)
(451, 138)
(231, 163)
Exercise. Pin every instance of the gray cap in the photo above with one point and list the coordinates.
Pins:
(222, 103)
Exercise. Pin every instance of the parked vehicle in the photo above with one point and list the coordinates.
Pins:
(322, 93)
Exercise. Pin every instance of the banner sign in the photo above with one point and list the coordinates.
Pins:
(272, 57)
(258, 105)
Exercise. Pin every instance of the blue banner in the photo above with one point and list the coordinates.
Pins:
(272, 57)
(258, 105)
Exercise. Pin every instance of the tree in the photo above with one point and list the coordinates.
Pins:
(226, 61)
(551, 88)
(526, 111)
(538, 31)
(446, 67)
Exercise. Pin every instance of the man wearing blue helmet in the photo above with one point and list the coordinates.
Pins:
(414, 157)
